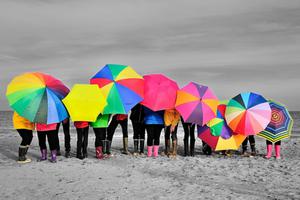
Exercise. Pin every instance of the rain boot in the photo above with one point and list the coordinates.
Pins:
(108, 149)
(155, 151)
(22, 155)
(99, 153)
(244, 151)
(149, 153)
(142, 144)
(174, 149)
(67, 154)
(167, 147)
(43, 155)
(125, 146)
(186, 147)
(269, 151)
(53, 156)
(79, 154)
(192, 148)
(277, 152)
(135, 146)
(253, 150)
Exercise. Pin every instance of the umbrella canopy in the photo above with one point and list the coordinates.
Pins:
(196, 103)
(122, 87)
(160, 92)
(248, 113)
(37, 97)
(218, 143)
(85, 102)
(281, 124)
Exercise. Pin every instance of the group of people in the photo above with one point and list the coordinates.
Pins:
(143, 121)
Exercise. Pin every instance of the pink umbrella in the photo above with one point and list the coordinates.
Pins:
(196, 103)
(159, 92)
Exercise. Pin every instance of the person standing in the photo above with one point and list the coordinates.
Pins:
(189, 132)
(171, 119)
(154, 122)
(100, 130)
(82, 128)
(270, 147)
(25, 128)
(66, 129)
(251, 140)
(48, 131)
(137, 120)
(117, 119)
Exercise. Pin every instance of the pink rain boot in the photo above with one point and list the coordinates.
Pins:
(155, 151)
(150, 148)
(269, 151)
(277, 151)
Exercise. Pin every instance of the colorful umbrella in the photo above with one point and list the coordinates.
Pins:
(37, 97)
(196, 103)
(122, 87)
(85, 102)
(281, 123)
(160, 92)
(248, 113)
(217, 143)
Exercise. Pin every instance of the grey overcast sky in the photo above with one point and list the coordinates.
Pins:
(230, 45)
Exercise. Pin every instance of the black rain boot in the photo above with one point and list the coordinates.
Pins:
(253, 150)
(22, 155)
(192, 148)
(186, 147)
(142, 144)
(135, 146)
(167, 147)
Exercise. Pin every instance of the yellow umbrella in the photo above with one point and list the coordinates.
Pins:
(85, 102)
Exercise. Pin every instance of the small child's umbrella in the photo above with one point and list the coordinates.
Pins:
(85, 102)
(160, 92)
(37, 97)
(196, 103)
(281, 123)
(122, 87)
(217, 143)
(248, 113)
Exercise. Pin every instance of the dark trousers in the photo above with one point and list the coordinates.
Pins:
(168, 133)
(276, 143)
(138, 131)
(251, 140)
(66, 129)
(112, 128)
(153, 133)
(100, 134)
(189, 131)
(51, 136)
(82, 140)
(26, 136)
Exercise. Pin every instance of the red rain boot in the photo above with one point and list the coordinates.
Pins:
(269, 151)
(277, 151)
(155, 151)
(99, 153)
(150, 148)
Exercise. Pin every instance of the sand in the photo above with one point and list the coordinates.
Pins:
(127, 177)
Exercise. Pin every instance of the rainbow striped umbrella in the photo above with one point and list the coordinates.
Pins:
(37, 97)
(248, 113)
(122, 87)
(281, 123)
(196, 103)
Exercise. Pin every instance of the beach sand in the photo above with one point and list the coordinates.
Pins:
(127, 177)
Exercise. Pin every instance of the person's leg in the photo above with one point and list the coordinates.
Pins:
(58, 145)
(277, 149)
(124, 126)
(79, 143)
(56, 139)
(186, 128)
(66, 128)
(192, 140)
(26, 136)
(174, 142)
(244, 146)
(136, 137)
(269, 149)
(142, 137)
(52, 140)
(167, 140)
(157, 132)
(100, 136)
(85, 142)
(150, 137)
(252, 145)
(111, 129)
(42, 144)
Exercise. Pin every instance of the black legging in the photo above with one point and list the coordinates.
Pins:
(82, 139)
(26, 136)
(138, 131)
(51, 135)
(276, 143)
(153, 133)
(100, 134)
(66, 129)
(168, 133)
(189, 131)
(251, 140)
(114, 124)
